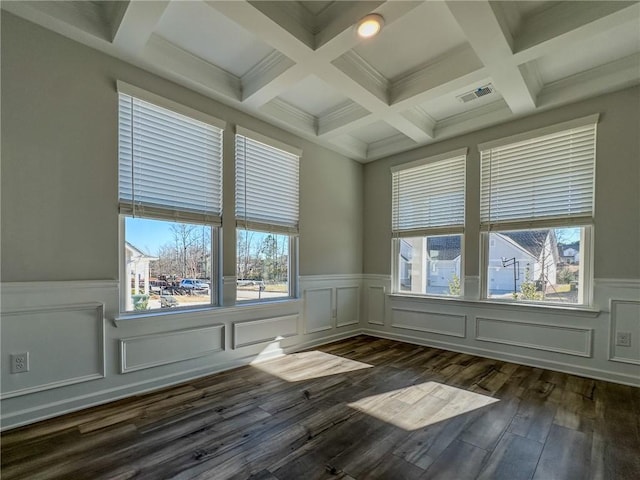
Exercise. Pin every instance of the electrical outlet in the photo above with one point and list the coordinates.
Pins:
(623, 339)
(19, 362)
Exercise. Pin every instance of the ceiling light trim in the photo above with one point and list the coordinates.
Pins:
(370, 25)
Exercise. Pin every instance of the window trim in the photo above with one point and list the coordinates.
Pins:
(293, 277)
(586, 268)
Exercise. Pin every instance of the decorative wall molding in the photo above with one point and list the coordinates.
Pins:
(431, 322)
(163, 348)
(253, 332)
(511, 331)
(617, 282)
(376, 304)
(632, 325)
(13, 288)
(39, 379)
(347, 311)
(318, 309)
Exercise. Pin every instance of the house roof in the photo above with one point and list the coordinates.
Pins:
(436, 70)
(447, 247)
(531, 240)
(138, 253)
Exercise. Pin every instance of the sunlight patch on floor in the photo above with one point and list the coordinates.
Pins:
(307, 365)
(421, 405)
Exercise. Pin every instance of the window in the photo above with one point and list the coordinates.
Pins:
(428, 222)
(536, 212)
(170, 202)
(267, 175)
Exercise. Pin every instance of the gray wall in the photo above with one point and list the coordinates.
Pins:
(60, 170)
(617, 208)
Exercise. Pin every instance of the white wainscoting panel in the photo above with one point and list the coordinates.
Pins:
(553, 338)
(376, 304)
(432, 322)
(347, 306)
(146, 351)
(65, 345)
(264, 330)
(625, 317)
(318, 309)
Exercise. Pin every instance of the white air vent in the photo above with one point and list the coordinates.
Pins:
(477, 93)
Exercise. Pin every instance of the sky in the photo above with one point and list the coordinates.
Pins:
(150, 235)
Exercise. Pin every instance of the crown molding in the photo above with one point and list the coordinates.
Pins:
(264, 72)
(353, 147)
(341, 115)
(292, 116)
(612, 76)
(388, 146)
(192, 68)
(481, 117)
(364, 74)
(454, 69)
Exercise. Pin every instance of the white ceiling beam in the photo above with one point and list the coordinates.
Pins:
(486, 35)
(137, 25)
(269, 27)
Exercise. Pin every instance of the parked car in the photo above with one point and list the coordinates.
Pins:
(193, 285)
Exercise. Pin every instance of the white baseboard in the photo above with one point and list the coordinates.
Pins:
(594, 373)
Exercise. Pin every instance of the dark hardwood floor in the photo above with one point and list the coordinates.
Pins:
(359, 408)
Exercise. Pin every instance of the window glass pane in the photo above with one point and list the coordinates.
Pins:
(167, 264)
(262, 265)
(536, 265)
(430, 265)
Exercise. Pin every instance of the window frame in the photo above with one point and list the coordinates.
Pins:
(430, 232)
(215, 292)
(395, 277)
(292, 269)
(577, 221)
(586, 268)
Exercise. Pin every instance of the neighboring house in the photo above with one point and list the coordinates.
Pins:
(444, 262)
(137, 267)
(441, 263)
(569, 253)
(534, 250)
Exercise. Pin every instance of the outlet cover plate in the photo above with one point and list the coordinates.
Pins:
(623, 339)
(19, 362)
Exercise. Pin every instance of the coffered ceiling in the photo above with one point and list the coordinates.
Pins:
(300, 65)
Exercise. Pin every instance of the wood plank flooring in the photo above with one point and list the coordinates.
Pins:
(362, 408)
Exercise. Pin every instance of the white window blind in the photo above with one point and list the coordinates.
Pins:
(549, 178)
(428, 195)
(170, 165)
(266, 187)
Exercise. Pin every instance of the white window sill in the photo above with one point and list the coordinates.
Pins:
(556, 309)
(203, 312)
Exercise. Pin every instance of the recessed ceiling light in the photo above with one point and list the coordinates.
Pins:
(370, 25)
